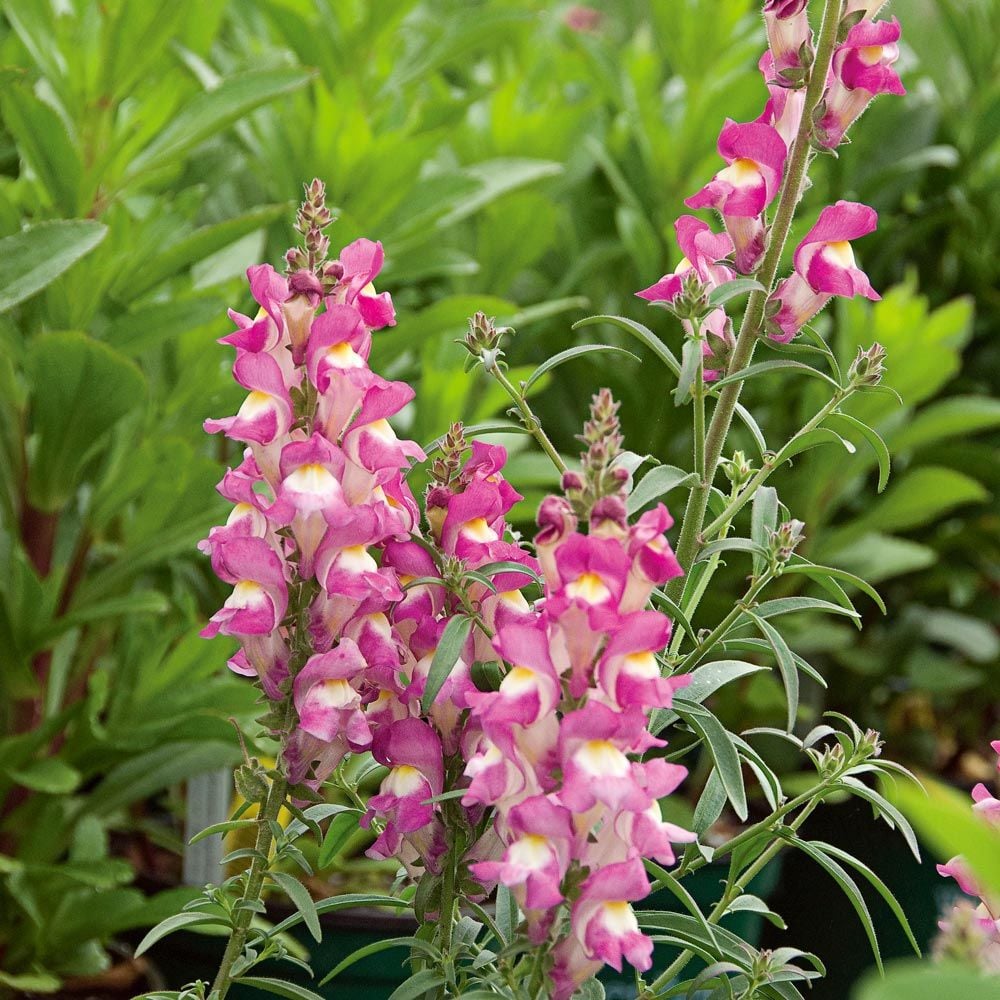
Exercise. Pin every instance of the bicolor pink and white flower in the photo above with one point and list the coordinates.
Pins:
(861, 69)
(703, 253)
(824, 267)
(755, 156)
(788, 32)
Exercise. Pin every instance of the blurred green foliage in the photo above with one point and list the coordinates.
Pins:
(509, 162)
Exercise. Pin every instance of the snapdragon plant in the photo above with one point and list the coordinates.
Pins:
(530, 707)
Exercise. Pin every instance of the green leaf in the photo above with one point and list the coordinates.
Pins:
(445, 657)
(755, 432)
(731, 545)
(80, 389)
(880, 887)
(51, 776)
(344, 902)
(763, 520)
(417, 985)
(817, 572)
(877, 557)
(279, 987)
(658, 482)
(847, 885)
(665, 880)
(690, 362)
(143, 774)
(873, 439)
(722, 749)
(178, 922)
(641, 333)
(786, 666)
(301, 900)
(947, 823)
(340, 829)
(507, 913)
(210, 112)
(705, 681)
(789, 605)
(926, 981)
(958, 416)
(748, 903)
(730, 289)
(44, 146)
(222, 828)
(922, 495)
(568, 355)
(36, 256)
(31, 982)
(766, 367)
(413, 943)
(885, 809)
(812, 439)
(496, 178)
(138, 332)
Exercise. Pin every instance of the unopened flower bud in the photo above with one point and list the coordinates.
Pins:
(785, 540)
(608, 516)
(867, 368)
(738, 469)
(572, 481)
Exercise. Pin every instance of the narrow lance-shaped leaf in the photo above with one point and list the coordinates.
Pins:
(874, 440)
(786, 666)
(641, 333)
(568, 355)
(445, 657)
(722, 749)
(35, 257)
(301, 900)
(690, 360)
(657, 483)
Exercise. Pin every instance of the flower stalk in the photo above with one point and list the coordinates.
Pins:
(753, 320)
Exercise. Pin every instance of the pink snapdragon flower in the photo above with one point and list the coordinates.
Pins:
(360, 264)
(783, 111)
(562, 740)
(755, 154)
(824, 267)
(788, 33)
(861, 69)
(703, 252)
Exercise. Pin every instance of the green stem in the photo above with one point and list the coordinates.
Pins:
(715, 636)
(770, 465)
(753, 318)
(698, 394)
(734, 888)
(531, 423)
(254, 884)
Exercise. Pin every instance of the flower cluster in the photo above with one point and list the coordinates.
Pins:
(423, 743)
(755, 154)
(575, 811)
(979, 927)
(319, 495)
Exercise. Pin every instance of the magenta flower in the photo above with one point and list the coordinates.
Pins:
(703, 250)
(266, 413)
(327, 698)
(412, 751)
(260, 594)
(787, 23)
(535, 863)
(862, 68)
(783, 111)
(603, 920)
(361, 262)
(824, 267)
(755, 154)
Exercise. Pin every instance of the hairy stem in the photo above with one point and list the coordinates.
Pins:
(531, 422)
(254, 884)
(753, 318)
(770, 465)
